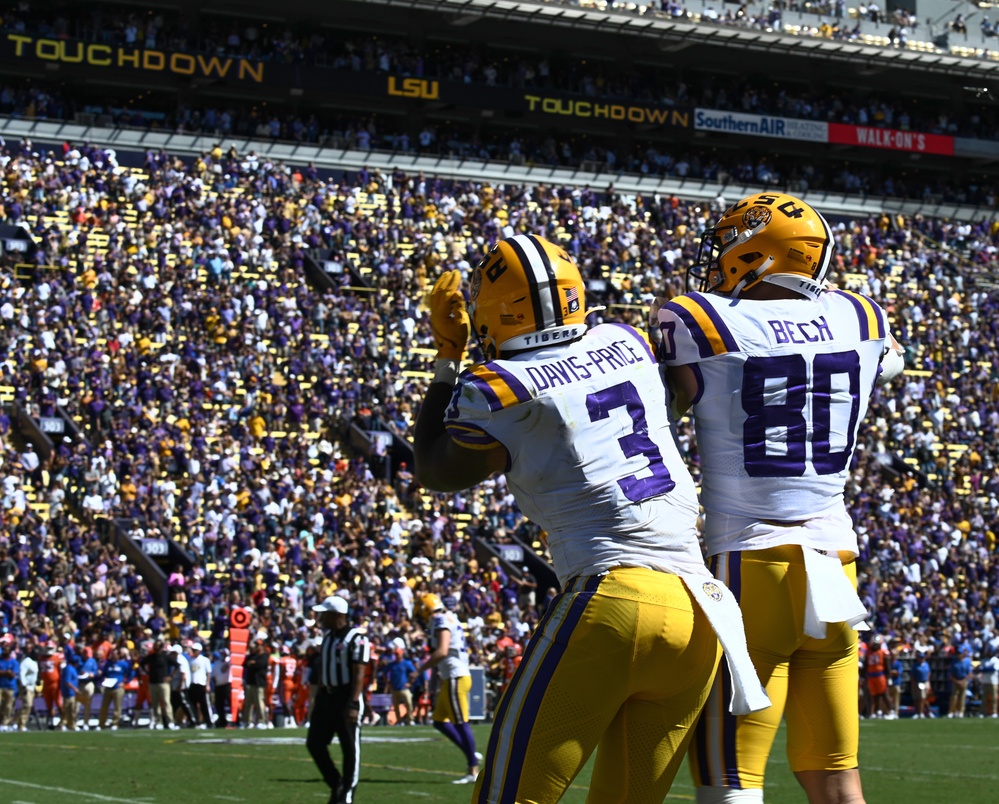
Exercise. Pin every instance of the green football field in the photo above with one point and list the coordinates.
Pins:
(911, 762)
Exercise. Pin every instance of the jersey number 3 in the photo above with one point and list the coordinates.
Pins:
(637, 442)
(831, 401)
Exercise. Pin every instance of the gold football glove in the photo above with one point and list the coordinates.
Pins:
(448, 316)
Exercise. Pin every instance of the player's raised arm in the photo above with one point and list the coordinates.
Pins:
(442, 464)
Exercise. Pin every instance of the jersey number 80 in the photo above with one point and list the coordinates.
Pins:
(809, 412)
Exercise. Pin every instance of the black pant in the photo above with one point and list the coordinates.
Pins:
(180, 702)
(329, 717)
(223, 693)
(198, 694)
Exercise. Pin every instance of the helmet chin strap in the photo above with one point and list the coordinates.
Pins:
(751, 277)
(489, 352)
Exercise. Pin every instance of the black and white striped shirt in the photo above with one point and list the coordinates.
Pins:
(340, 652)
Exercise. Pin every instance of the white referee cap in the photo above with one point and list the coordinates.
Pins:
(334, 603)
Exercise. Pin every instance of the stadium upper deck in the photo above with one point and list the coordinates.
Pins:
(653, 43)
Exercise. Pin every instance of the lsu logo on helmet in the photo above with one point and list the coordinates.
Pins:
(757, 216)
(476, 285)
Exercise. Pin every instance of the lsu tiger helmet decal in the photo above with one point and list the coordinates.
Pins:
(766, 237)
(526, 293)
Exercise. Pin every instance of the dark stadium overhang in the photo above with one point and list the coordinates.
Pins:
(675, 33)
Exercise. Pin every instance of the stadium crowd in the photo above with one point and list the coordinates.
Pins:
(167, 313)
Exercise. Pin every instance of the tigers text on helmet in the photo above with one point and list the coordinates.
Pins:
(526, 293)
(766, 237)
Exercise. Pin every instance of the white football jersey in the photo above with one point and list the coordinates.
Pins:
(783, 387)
(455, 664)
(592, 457)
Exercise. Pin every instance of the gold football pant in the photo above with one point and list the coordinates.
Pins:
(452, 700)
(622, 663)
(811, 682)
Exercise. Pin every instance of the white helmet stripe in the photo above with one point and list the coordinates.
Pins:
(540, 279)
(825, 258)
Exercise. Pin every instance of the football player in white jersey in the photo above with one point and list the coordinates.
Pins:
(779, 371)
(623, 659)
(449, 654)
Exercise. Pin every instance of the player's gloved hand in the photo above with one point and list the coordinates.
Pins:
(670, 292)
(448, 316)
(655, 334)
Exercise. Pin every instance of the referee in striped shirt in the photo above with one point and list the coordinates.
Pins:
(339, 703)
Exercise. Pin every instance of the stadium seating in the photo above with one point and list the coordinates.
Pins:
(230, 409)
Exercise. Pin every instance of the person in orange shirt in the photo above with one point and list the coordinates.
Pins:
(287, 667)
(48, 672)
(862, 695)
(372, 717)
(303, 693)
(421, 694)
(103, 649)
(877, 662)
(272, 685)
(512, 660)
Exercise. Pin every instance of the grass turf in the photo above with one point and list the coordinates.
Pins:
(911, 762)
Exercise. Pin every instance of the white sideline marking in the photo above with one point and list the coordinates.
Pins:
(67, 791)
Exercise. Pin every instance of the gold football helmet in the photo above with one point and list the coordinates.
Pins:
(526, 293)
(428, 604)
(767, 237)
